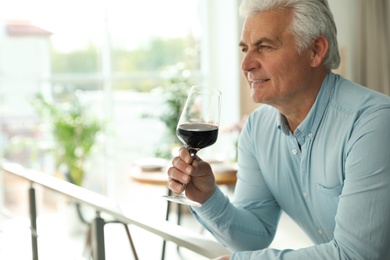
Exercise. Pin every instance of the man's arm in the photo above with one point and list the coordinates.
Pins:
(249, 223)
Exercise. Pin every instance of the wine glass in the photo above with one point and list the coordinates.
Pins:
(198, 127)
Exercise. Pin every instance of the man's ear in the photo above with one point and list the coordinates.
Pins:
(319, 51)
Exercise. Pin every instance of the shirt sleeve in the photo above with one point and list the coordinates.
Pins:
(236, 228)
(249, 223)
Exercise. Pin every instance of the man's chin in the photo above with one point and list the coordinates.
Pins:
(256, 98)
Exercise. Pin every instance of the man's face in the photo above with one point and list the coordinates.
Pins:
(277, 74)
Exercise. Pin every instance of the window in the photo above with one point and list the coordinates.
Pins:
(116, 56)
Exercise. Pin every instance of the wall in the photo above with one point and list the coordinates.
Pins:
(345, 13)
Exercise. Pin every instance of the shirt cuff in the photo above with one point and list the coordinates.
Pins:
(213, 205)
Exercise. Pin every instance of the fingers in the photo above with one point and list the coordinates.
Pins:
(185, 155)
(177, 179)
(180, 171)
(179, 175)
(176, 186)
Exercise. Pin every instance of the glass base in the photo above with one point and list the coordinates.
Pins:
(182, 200)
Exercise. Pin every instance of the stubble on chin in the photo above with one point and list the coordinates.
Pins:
(255, 96)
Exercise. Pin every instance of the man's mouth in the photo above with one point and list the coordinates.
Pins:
(257, 82)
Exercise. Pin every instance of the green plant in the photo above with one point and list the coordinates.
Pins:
(74, 133)
(174, 94)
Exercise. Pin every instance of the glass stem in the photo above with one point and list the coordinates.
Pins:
(193, 151)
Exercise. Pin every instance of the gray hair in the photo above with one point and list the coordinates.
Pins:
(312, 18)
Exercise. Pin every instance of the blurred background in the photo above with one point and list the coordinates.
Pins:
(126, 62)
(112, 75)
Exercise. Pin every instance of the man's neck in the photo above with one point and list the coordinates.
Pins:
(297, 110)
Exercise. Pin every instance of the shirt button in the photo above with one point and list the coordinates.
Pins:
(320, 231)
(294, 151)
(304, 194)
(310, 135)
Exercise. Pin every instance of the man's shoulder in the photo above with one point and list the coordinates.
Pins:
(353, 97)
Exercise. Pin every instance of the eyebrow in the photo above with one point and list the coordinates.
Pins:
(258, 42)
(241, 44)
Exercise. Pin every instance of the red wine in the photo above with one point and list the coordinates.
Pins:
(197, 135)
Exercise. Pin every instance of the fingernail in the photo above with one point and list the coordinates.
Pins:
(188, 169)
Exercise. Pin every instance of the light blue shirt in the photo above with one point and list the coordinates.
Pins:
(332, 176)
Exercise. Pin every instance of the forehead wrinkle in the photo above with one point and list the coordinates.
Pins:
(267, 40)
(277, 41)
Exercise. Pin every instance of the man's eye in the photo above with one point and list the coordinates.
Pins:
(244, 50)
(264, 47)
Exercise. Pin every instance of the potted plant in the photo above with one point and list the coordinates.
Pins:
(74, 134)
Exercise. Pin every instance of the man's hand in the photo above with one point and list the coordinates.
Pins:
(193, 175)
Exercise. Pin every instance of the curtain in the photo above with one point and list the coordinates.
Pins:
(372, 66)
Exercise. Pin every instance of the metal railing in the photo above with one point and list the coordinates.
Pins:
(168, 231)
